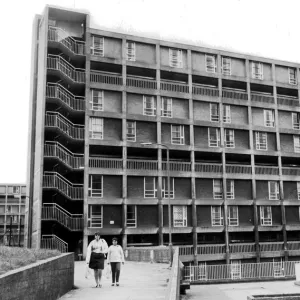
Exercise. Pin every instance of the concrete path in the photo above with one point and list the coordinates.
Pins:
(138, 281)
(239, 291)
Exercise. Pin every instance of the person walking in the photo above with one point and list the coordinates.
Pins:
(115, 257)
(95, 257)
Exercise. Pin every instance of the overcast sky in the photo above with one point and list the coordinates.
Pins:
(260, 27)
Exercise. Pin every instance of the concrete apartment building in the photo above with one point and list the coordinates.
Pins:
(104, 108)
(12, 214)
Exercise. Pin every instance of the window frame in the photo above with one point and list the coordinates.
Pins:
(231, 142)
(130, 56)
(152, 109)
(296, 125)
(131, 222)
(175, 61)
(233, 215)
(181, 135)
(94, 133)
(266, 220)
(214, 143)
(217, 221)
(230, 193)
(298, 189)
(214, 117)
(227, 110)
(98, 194)
(101, 104)
(164, 190)
(296, 141)
(276, 194)
(100, 48)
(258, 145)
(180, 222)
(131, 137)
(211, 67)
(260, 74)
(154, 191)
(292, 81)
(269, 113)
(217, 195)
(165, 112)
(90, 218)
(225, 69)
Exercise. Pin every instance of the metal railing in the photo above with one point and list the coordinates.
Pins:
(293, 246)
(174, 87)
(51, 241)
(53, 211)
(264, 170)
(177, 166)
(56, 62)
(238, 272)
(186, 250)
(238, 169)
(290, 171)
(211, 249)
(54, 180)
(234, 95)
(271, 247)
(287, 101)
(101, 77)
(205, 91)
(141, 83)
(105, 163)
(72, 160)
(262, 98)
(208, 168)
(56, 34)
(134, 164)
(57, 91)
(56, 120)
(242, 248)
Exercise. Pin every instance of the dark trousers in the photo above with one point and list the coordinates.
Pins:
(115, 271)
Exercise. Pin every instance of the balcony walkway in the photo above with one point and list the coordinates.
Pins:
(138, 281)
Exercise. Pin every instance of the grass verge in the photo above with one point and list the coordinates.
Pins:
(14, 257)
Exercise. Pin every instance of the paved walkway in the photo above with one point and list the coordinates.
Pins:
(239, 291)
(138, 281)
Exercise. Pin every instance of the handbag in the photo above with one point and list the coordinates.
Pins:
(107, 271)
(87, 272)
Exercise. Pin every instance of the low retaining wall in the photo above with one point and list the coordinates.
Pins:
(275, 297)
(46, 279)
(148, 254)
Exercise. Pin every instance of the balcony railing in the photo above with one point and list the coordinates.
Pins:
(56, 34)
(271, 247)
(53, 211)
(262, 98)
(208, 168)
(242, 248)
(57, 91)
(238, 169)
(52, 241)
(186, 250)
(55, 149)
(174, 87)
(105, 163)
(56, 62)
(205, 91)
(293, 246)
(134, 164)
(53, 180)
(141, 83)
(288, 101)
(56, 120)
(262, 170)
(177, 166)
(234, 95)
(291, 171)
(211, 249)
(101, 77)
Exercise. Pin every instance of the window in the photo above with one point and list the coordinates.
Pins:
(266, 215)
(97, 46)
(226, 66)
(130, 131)
(236, 269)
(233, 216)
(130, 51)
(165, 189)
(229, 138)
(296, 120)
(296, 143)
(175, 58)
(96, 128)
(149, 107)
(177, 134)
(214, 112)
(214, 137)
(166, 107)
(216, 216)
(261, 141)
(97, 100)
(150, 190)
(269, 118)
(95, 186)
(298, 189)
(131, 216)
(292, 76)
(230, 189)
(257, 70)
(95, 216)
(211, 65)
(273, 190)
(217, 189)
(16, 190)
(226, 114)
(179, 216)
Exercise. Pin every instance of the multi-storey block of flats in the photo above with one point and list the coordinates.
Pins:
(12, 214)
(105, 109)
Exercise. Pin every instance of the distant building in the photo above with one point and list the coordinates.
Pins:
(104, 106)
(12, 214)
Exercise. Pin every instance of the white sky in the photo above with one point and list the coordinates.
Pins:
(261, 27)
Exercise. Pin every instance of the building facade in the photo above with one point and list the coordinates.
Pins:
(12, 214)
(105, 107)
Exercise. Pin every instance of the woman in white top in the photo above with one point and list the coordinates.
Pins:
(115, 257)
(95, 257)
